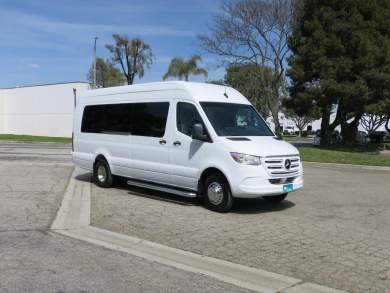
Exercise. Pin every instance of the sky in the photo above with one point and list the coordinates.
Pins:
(51, 41)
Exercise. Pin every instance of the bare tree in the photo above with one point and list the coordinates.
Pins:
(371, 122)
(254, 31)
(132, 55)
(301, 122)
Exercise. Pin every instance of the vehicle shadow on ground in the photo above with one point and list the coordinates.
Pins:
(86, 177)
(259, 206)
(241, 206)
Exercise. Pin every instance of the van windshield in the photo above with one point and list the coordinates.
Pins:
(230, 119)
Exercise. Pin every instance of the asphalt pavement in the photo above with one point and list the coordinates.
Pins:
(33, 178)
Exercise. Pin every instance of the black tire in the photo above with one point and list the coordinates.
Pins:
(102, 174)
(275, 198)
(223, 200)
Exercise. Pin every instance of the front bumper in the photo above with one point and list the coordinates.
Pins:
(255, 187)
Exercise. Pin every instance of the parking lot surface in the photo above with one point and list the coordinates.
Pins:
(33, 178)
(334, 232)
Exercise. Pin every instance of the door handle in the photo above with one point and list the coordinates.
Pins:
(176, 143)
(162, 142)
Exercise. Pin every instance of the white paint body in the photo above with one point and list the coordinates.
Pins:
(143, 158)
(39, 110)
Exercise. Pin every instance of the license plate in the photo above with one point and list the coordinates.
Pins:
(288, 187)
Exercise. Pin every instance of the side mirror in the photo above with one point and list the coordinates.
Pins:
(198, 132)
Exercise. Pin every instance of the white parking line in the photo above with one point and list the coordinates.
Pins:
(73, 220)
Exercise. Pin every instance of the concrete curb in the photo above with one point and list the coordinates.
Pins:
(347, 166)
(73, 220)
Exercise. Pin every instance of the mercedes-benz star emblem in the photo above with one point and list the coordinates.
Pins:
(287, 164)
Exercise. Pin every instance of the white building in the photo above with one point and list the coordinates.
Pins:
(45, 110)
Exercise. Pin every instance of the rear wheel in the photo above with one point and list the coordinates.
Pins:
(275, 198)
(102, 174)
(216, 194)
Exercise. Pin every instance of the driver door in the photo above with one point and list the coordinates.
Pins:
(185, 155)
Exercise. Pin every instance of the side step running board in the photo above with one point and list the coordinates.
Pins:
(162, 188)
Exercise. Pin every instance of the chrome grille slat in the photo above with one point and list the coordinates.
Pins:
(273, 161)
(276, 169)
(284, 172)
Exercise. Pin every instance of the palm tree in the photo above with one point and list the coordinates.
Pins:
(181, 68)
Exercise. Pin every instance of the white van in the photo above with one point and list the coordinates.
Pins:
(190, 139)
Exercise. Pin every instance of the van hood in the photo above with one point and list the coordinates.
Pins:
(262, 146)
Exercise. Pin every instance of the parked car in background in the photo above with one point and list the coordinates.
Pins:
(362, 137)
(335, 138)
(190, 139)
(289, 130)
(377, 136)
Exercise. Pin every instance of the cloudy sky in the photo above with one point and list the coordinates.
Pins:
(48, 41)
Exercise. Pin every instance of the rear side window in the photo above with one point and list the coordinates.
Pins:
(143, 119)
(149, 119)
(187, 115)
(109, 119)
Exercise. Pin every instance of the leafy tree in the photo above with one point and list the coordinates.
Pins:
(106, 74)
(254, 31)
(132, 56)
(184, 68)
(259, 91)
(216, 81)
(341, 55)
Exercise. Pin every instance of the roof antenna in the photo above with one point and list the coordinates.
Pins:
(225, 94)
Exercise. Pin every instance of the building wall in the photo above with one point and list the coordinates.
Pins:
(39, 110)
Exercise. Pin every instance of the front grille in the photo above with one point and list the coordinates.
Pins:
(276, 166)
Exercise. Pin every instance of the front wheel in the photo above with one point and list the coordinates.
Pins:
(275, 198)
(217, 195)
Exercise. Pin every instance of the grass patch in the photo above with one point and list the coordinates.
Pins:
(33, 138)
(357, 155)
(291, 137)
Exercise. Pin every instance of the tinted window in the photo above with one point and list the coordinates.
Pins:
(186, 117)
(143, 119)
(110, 119)
(149, 119)
(230, 119)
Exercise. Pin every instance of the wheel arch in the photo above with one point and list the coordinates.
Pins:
(101, 156)
(207, 172)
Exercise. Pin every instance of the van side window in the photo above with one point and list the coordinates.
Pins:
(143, 119)
(149, 119)
(109, 119)
(186, 116)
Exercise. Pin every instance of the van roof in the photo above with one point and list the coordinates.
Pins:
(197, 90)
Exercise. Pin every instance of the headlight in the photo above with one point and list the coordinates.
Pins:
(246, 159)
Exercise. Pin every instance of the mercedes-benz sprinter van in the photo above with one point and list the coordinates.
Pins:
(190, 139)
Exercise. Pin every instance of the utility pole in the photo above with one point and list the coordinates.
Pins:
(94, 63)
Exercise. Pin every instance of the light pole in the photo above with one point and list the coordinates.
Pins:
(94, 63)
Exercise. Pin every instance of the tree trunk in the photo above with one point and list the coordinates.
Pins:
(387, 124)
(129, 79)
(275, 117)
(326, 134)
(349, 130)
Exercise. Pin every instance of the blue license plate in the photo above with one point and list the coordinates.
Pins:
(288, 187)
